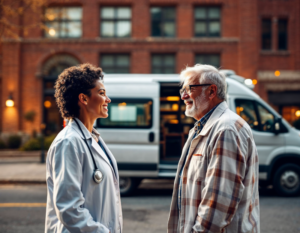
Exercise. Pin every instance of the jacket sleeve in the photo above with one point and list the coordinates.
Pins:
(67, 196)
(224, 186)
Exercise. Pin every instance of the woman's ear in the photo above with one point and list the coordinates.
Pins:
(82, 98)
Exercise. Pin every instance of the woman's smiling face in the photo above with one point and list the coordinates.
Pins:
(97, 104)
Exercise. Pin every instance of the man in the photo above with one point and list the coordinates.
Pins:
(216, 185)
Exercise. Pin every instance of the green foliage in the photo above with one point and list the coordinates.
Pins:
(296, 124)
(49, 140)
(36, 143)
(32, 144)
(14, 141)
(30, 116)
(2, 144)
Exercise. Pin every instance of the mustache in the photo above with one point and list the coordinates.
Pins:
(188, 100)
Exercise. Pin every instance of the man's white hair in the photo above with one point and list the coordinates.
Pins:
(207, 74)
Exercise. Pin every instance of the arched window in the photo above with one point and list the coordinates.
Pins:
(52, 68)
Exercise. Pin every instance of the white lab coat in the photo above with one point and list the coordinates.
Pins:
(75, 203)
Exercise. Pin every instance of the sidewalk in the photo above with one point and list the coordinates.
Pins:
(21, 167)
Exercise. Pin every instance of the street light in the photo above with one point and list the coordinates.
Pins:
(9, 102)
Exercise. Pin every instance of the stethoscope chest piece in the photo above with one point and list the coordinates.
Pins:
(98, 176)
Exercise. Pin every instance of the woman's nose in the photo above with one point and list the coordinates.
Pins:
(108, 100)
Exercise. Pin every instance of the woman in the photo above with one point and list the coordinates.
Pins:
(82, 177)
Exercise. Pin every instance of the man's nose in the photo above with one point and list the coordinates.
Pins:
(184, 96)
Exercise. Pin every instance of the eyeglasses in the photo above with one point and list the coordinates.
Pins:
(188, 88)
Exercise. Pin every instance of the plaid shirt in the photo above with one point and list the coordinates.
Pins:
(220, 179)
(198, 126)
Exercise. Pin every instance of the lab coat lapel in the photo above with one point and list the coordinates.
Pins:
(112, 158)
(96, 148)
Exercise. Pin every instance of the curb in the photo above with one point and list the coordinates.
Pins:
(38, 182)
(20, 154)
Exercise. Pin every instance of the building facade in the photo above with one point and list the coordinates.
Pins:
(258, 39)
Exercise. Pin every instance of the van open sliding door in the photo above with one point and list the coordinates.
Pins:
(131, 130)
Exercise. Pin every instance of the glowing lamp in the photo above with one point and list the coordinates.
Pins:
(297, 113)
(52, 32)
(173, 98)
(10, 102)
(47, 104)
(277, 73)
(254, 81)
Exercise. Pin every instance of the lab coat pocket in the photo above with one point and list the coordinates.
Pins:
(195, 167)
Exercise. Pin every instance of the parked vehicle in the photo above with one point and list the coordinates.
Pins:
(147, 128)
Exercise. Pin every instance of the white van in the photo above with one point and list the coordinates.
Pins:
(146, 130)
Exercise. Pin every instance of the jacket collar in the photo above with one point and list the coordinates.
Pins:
(85, 131)
(214, 117)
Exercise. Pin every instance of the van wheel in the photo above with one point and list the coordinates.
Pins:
(128, 185)
(287, 180)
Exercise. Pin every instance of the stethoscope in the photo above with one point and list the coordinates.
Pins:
(97, 175)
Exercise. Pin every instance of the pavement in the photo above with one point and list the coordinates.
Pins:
(21, 167)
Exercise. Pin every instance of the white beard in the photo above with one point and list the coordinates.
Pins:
(199, 105)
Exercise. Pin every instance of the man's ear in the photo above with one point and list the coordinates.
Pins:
(213, 91)
(82, 98)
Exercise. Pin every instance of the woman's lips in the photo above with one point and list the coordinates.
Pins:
(105, 107)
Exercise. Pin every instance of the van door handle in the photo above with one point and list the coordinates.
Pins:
(151, 137)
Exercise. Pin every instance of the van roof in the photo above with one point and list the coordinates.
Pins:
(233, 87)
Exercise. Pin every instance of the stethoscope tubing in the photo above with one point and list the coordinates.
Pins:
(96, 171)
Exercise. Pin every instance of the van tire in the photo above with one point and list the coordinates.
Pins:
(128, 185)
(286, 180)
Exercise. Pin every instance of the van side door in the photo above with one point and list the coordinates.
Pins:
(131, 130)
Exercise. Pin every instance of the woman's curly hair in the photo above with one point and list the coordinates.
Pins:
(70, 83)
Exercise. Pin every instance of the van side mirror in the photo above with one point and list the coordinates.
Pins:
(277, 124)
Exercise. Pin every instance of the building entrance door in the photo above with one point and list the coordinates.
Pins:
(53, 68)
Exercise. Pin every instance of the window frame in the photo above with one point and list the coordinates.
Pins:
(61, 21)
(129, 100)
(207, 20)
(263, 35)
(209, 54)
(163, 67)
(164, 20)
(114, 59)
(115, 20)
(279, 35)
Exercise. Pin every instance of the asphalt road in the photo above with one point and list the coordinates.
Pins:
(146, 211)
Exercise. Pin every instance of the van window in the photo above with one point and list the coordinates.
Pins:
(246, 110)
(257, 116)
(266, 119)
(128, 113)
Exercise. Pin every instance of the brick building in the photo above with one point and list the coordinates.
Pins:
(254, 38)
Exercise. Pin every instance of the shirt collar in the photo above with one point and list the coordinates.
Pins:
(95, 134)
(200, 124)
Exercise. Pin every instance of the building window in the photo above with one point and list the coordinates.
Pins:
(163, 64)
(282, 34)
(266, 33)
(207, 21)
(63, 22)
(208, 59)
(115, 22)
(163, 21)
(115, 63)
